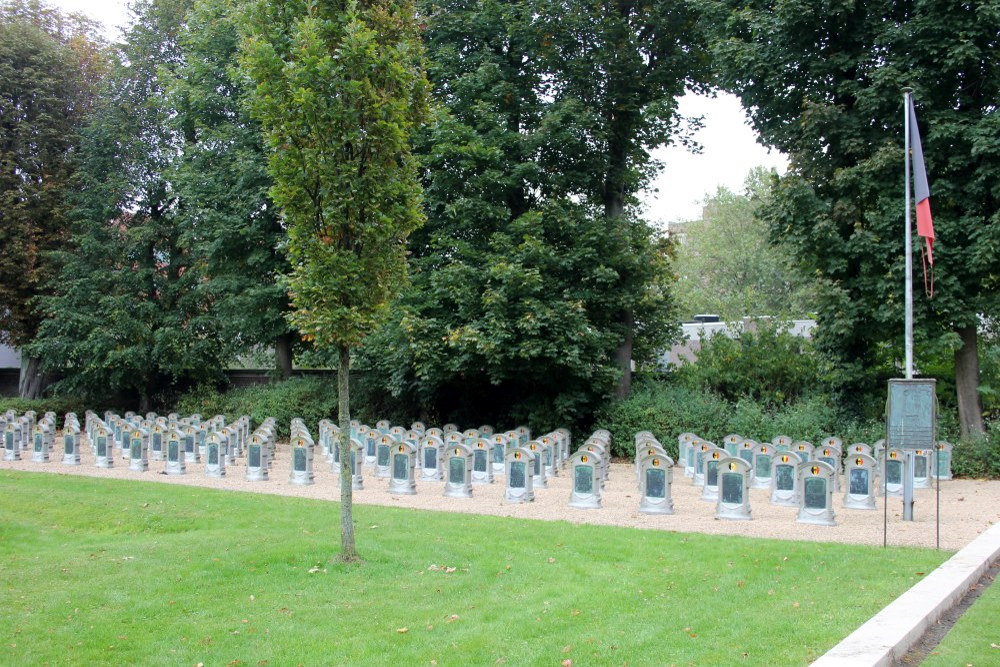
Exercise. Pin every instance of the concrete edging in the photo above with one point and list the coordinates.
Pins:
(888, 635)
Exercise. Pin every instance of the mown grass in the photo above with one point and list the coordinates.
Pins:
(116, 572)
(975, 638)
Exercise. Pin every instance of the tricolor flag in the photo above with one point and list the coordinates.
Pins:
(921, 191)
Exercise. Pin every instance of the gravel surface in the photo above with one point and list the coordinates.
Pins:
(968, 507)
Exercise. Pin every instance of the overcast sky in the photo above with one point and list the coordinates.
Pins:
(729, 152)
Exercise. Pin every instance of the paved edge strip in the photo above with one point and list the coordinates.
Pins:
(889, 634)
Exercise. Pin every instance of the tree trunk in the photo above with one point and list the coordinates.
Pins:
(348, 549)
(283, 355)
(32, 382)
(970, 409)
(623, 357)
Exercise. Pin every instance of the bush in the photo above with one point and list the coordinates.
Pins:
(769, 365)
(311, 399)
(977, 458)
(59, 405)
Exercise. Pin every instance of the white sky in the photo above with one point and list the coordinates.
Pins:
(729, 147)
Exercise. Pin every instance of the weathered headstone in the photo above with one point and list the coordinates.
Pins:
(782, 443)
(942, 461)
(104, 448)
(482, 467)
(498, 449)
(431, 454)
(256, 459)
(710, 490)
(191, 452)
(860, 472)
(895, 470)
(40, 448)
(383, 456)
(761, 462)
(816, 499)
(831, 457)
(656, 474)
(175, 464)
(537, 451)
(403, 469)
(859, 448)
(71, 446)
(519, 476)
(215, 457)
(449, 428)
(585, 475)
(485, 430)
(458, 471)
(138, 450)
(301, 472)
(685, 451)
(922, 478)
(803, 449)
(731, 443)
(371, 438)
(745, 450)
(734, 489)
(784, 480)
(12, 442)
(156, 442)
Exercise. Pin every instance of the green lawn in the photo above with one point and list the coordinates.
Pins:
(975, 639)
(105, 571)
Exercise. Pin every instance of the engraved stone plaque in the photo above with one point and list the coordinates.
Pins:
(732, 488)
(656, 483)
(517, 474)
(859, 482)
(784, 477)
(583, 479)
(815, 493)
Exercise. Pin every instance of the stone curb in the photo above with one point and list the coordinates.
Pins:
(888, 635)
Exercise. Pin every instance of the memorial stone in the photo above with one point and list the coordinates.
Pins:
(784, 481)
(859, 476)
(655, 480)
(431, 453)
(816, 499)
(895, 469)
(710, 491)
(782, 443)
(519, 476)
(175, 464)
(734, 489)
(731, 443)
(104, 447)
(922, 478)
(482, 467)
(215, 457)
(942, 461)
(585, 474)
(540, 478)
(404, 463)
(138, 450)
(498, 447)
(71, 446)
(383, 456)
(458, 468)
(301, 472)
(761, 462)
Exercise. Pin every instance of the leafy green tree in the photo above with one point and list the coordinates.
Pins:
(50, 67)
(518, 281)
(230, 226)
(128, 316)
(726, 264)
(615, 70)
(339, 90)
(823, 84)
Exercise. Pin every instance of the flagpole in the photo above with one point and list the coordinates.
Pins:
(908, 242)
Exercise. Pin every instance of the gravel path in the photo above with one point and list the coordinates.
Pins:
(968, 507)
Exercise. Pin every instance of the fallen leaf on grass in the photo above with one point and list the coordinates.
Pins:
(566, 649)
(402, 631)
(552, 560)
(452, 618)
(567, 663)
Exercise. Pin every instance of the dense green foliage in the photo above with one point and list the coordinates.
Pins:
(146, 573)
(726, 266)
(823, 84)
(762, 361)
(521, 276)
(310, 399)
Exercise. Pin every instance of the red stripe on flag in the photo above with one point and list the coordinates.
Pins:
(925, 226)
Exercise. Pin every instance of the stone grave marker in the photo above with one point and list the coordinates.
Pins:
(412, 438)
(816, 499)
(469, 435)
(458, 466)
(519, 476)
(710, 491)
(156, 442)
(566, 440)
(860, 471)
(138, 450)
(418, 426)
(804, 449)
(859, 448)
(301, 472)
(745, 450)
(784, 481)
(404, 462)
(703, 451)
(643, 451)
(831, 457)
(942, 461)
(398, 433)
(71, 446)
(523, 434)
(371, 442)
(498, 449)
(215, 456)
(833, 442)
(104, 447)
(486, 430)
(761, 462)
(550, 449)
(922, 478)
(585, 473)
(383, 456)
(191, 452)
(450, 428)
(656, 474)
(257, 455)
(731, 443)
(40, 450)
(538, 471)
(735, 475)
(431, 454)
(175, 464)
(482, 467)
(12, 442)
(782, 443)
(895, 468)
(358, 455)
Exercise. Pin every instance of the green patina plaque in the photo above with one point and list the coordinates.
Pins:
(39, 442)
(711, 473)
(479, 461)
(732, 488)
(942, 463)
(253, 456)
(784, 477)
(400, 466)
(919, 467)
(763, 467)
(213, 453)
(517, 474)
(157, 442)
(430, 458)
(583, 479)
(382, 456)
(860, 482)
(815, 493)
(911, 414)
(894, 471)
(299, 462)
(656, 483)
(68, 444)
(173, 450)
(498, 452)
(102, 446)
(136, 449)
(456, 470)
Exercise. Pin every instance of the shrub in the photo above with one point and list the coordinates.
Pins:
(311, 399)
(978, 458)
(768, 364)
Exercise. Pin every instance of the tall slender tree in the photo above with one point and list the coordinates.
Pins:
(339, 88)
(51, 64)
(823, 84)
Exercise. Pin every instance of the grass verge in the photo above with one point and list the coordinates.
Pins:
(975, 637)
(110, 571)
